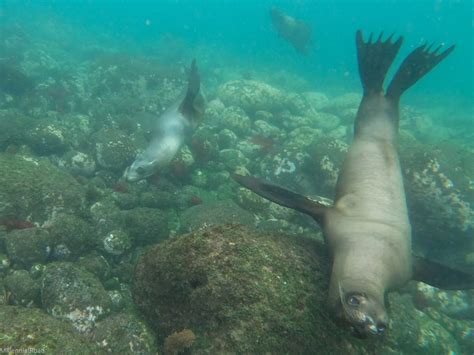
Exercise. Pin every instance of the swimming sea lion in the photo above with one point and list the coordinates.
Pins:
(367, 229)
(172, 127)
(297, 32)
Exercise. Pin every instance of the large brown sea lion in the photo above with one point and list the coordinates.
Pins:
(297, 32)
(367, 229)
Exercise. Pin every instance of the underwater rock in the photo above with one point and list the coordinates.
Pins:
(326, 121)
(122, 334)
(116, 242)
(5, 264)
(95, 264)
(240, 291)
(78, 163)
(47, 138)
(114, 149)
(30, 328)
(13, 125)
(74, 233)
(317, 100)
(339, 105)
(14, 81)
(35, 189)
(106, 216)
(26, 247)
(414, 332)
(214, 213)
(235, 119)
(146, 225)
(232, 158)
(75, 295)
(227, 138)
(438, 182)
(22, 289)
(251, 96)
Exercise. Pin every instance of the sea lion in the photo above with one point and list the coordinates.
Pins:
(172, 127)
(297, 32)
(367, 229)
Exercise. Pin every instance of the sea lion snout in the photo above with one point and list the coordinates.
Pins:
(365, 314)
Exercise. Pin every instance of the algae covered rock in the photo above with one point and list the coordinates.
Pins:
(30, 328)
(114, 149)
(22, 289)
(73, 233)
(251, 96)
(240, 291)
(70, 293)
(146, 225)
(413, 332)
(26, 247)
(47, 138)
(212, 213)
(35, 189)
(123, 334)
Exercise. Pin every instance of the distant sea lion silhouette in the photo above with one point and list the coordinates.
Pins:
(297, 32)
(367, 229)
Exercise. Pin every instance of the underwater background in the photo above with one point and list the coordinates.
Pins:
(186, 261)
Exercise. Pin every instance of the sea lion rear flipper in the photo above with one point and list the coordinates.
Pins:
(375, 58)
(440, 276)
(283, 196)
(190, 107)
(416, 65)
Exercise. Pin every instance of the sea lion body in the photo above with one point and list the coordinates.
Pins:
(367, 229)
(172, 128)
(295, 31)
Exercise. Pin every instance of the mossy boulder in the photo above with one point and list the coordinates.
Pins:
(13, 125)
(22, 288)
(213, 213)
(240, 291)
(26, 247)
(114, 149)
(251, 96)
(73, 294)
(30, 328)
(414, 332)
(47, 137)
(124, 333)
(72, 232)
(146, 225)
(35, 189)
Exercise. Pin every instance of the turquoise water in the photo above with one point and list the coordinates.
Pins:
(82, 83)
(241, 30)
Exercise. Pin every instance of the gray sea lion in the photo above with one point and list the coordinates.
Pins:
(297, 32)
(367, 229)
(172, 127)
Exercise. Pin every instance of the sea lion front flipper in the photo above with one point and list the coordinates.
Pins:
(440, 276)
(283, 196)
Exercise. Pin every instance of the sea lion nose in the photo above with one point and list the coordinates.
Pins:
(381, 327)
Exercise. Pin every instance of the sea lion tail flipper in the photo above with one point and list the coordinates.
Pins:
(416, 65)
(283, 196)
(375, 58)
(441, 276)
(188, 106)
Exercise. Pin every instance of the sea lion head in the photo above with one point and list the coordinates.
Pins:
(364, 312)
(140, 169)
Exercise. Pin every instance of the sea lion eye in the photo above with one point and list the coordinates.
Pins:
(381, 328)
(140, 171)
(353, 301)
